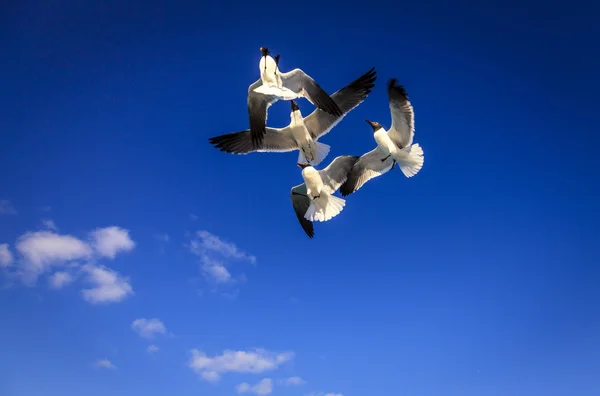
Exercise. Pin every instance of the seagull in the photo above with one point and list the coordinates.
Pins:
(393, 146)
(302, 133)
(313, 200)
(294, 84)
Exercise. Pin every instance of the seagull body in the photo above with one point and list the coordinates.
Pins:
(302, 133)
(393, 146)
(294, 84)
(313, 200)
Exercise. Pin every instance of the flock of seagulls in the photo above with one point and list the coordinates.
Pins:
(314, 200)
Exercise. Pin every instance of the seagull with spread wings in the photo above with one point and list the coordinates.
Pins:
(285, 86)
(302, 134)
(313, 200)
(393, 146)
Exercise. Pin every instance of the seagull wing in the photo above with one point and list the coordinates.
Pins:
(402, 130)
(337, 171)
(258, 104)
(301, 83)
(301, 202)
(366, 168)
(275, 140)
(319, 122)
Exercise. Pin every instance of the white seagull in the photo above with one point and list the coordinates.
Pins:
(302, 133)
(274, 85)
(393, 146)
(313, 200)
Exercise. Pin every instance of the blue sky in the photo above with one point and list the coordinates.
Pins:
(138, 259)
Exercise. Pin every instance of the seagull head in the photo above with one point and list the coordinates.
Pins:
(302, 165)
(294, 105)
(265, 51)
(375, 125)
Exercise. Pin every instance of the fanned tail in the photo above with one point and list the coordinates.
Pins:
(413, 164)
(324, 208)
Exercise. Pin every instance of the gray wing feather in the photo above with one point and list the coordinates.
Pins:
(275, 140)
(366, 168)
(301, 83)
(319, 122)
(301, 202)
(337, 171)
(258, 105)
(402, 130)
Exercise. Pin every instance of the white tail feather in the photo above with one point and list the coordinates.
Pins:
(413, 164)
(324, 208)
(322, 150)
(301, 157)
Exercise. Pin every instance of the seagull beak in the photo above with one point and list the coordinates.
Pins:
(373, 125)
(301, 165)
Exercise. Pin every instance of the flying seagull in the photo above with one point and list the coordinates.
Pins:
(394, 146)
(302, 133)
(313, 200)
(294, 84)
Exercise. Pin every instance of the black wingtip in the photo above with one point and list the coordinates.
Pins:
(396, 89)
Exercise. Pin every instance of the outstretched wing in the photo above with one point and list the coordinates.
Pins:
(337, 171)
(366, 168)
(403, 118)
(258, 104)
(275, 140)
(319, 122)
(301, 83)
(301, 202)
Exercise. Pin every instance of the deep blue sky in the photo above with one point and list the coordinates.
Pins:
(477, 277)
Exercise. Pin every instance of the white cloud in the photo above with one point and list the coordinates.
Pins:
(60, 279)
(105, 363)
(109, 241)
(207, 242)
(43, 249)
(6, 257)
(215, 270)
(147, 328)
(49, 224)
(255, 361)
(152, 349)
(292, 381)
(109, 285)
(6, 208)
(264, 387)
(193, 217)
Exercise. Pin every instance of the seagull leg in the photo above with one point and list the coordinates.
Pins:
(393, 164)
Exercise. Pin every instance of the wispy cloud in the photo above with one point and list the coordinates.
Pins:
(216, 256)
(148, 328)
(105, 363)
(255, 361)
(152, 349)
(6, 208)
(163, 237)
(109, 241)
(292, 381)
(207, 242)
(6, 257)
(49, 224)
(264, 387)
(323, 394)
(107, 285)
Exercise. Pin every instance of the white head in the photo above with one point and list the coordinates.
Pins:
(304, 166)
